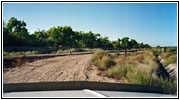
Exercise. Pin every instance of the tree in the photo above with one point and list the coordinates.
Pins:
(141, 45)
(16, 29)
(41, 37)
(125, 43)
(16, 34)
(134, 44)
(116, 44)
(147, 46)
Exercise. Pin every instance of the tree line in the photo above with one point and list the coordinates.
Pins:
(15, 33)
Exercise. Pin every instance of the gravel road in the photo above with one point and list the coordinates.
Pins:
(64, 68)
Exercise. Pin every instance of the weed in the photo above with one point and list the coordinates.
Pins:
(170, 60)
(166, 55)
(119, 71)
(106, 62)
(98, 56)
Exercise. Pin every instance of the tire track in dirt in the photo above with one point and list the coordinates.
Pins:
(64, 68)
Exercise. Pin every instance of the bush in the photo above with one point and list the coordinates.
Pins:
(155, 51)
(172, 59)
(22, 53)
(119, 71)
(132, 54)
(172, 50)
(137, 69)
(135, 59)
(166, 55)
(106, 62)
(137, 76)
(117, 53)
(120, 60)
(98, 56)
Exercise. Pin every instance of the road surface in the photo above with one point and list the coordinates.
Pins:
(64, 68)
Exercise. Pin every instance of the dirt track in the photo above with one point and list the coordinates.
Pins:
(65, 68)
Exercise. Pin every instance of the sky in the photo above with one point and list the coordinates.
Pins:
(151, 23)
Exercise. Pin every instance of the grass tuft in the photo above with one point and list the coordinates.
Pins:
(172, 59)
(106, 62)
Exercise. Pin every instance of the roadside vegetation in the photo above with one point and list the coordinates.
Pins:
(133, 69)
(169, 57)
(15, 34)
(21, 53)
(73, 50)
(170, 60)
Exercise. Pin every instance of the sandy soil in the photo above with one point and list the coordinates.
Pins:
(65, 68)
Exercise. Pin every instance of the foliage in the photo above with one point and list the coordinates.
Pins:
(119, 71)
(135, 69)
(172, 50)
(22, 53)
(166, 55)
(106, 62)
(155, 51)
(16, 34)
(170, 60)
(98, 56)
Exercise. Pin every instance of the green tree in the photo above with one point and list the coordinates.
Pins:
(125, 44)
(134, 44)
(140, 45)
(116, 44)
(41, 37)
(17, 29)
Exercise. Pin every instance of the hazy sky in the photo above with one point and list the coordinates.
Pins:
(152, 23)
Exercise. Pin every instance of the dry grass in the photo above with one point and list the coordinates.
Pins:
(166, 55)
(106, 62)
(136, 69)
(119, 71)
(120, 60)
(135, 59)
(96, 58)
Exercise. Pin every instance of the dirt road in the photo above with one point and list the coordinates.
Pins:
(65, 68)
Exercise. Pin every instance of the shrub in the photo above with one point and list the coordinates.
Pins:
(135, 59)
(147, 59)
(120, 60)
(119, 71)
(117, 53)
(106, 62)
(21, 53)
(156, 51)
(166, 55)
(132, 54)
(172, 59)
(98, 56)
(172, 50)
(62, 51)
